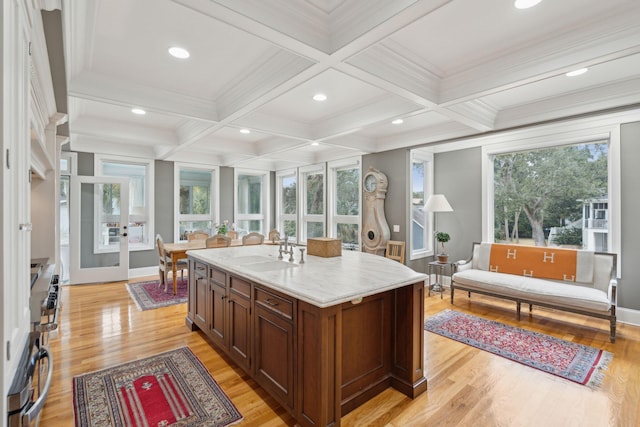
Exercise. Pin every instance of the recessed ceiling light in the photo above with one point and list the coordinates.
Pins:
(397, 122)
(577, 72)
(320, 97)
(178, 52)
(315, 143)
(138, 111)
(245, 131)
(525, 4)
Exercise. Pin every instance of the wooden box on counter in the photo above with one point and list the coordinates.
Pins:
(325, 247)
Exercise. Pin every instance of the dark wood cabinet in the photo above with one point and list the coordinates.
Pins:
(318, 362)
(218, 305)
(274, 339)
(239, 321)
(201, 295)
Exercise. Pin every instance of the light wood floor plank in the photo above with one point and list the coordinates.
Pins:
(100, 326)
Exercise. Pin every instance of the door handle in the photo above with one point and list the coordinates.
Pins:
(123, 235)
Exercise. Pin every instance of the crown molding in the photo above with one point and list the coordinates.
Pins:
(608, 96)
(298, 20)
(268, 78)
(476, 114)
(91, 144)
(96, 87)
(620, 35)
(387, 63)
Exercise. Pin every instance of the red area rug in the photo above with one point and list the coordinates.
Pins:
(149, 295)
(576, 362)
(171, 388)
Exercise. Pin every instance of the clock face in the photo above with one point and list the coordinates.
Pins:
(370, 182)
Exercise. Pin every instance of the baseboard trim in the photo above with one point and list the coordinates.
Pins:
(629, 316)
(143, 271)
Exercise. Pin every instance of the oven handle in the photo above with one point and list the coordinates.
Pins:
(36, 407)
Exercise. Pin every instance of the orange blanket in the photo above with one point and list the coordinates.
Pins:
(531, 261)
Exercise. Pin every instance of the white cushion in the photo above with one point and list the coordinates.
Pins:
(535, 290)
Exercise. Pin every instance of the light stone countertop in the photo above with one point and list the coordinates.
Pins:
(322, 282)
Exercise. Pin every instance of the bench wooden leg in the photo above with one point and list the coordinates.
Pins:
(530, 308)
(613, 330)
(518, 309)
(452, 290)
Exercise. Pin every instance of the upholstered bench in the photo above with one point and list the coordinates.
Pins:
(572, 280)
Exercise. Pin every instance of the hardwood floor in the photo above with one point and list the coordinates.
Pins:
(100, 326)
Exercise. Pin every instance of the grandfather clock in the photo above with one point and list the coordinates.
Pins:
(375, 230)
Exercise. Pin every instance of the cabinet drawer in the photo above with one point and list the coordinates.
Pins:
(200, 268)
(275, 303)
(239, 287)
(217, 276)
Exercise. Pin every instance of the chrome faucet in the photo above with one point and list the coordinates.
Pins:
(288, 249)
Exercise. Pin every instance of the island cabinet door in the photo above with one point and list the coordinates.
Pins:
(274, 343)
(218, 308)
(201, 294)
(239, 322)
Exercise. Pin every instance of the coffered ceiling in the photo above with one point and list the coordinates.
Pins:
(447, 68)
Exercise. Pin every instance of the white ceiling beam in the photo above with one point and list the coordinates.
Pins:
(120, 132)
(113, 91)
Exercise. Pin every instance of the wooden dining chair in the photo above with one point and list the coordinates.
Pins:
(218, 241)
(165, 265)
(395, 250)
(274, 236)
(197, 235)
(252, 238)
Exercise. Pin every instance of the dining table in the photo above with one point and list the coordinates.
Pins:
(178, 251)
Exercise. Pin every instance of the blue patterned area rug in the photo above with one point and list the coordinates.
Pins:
(575, 362)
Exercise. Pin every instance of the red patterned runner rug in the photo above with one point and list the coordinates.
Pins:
(150, 295)
(171, 388)
(575, 362)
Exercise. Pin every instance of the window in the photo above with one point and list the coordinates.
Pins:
(287, 204)
(196, 200)
(344, 202)
(570, 151)
(539, 194)
(139, 172)
(251, 203)
(420, 188)
(312, 181)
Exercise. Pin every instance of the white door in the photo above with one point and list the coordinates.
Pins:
(99, 217)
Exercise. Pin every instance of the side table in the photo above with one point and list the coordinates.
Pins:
(439, 268)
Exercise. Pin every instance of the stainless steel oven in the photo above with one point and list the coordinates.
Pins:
(31, 384)
(32, 380)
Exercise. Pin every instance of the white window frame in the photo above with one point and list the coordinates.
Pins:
(72, 163)
(425, 157)
(281, 217)
(331, 193)
(214, 209)
(266, 197)
(538, 139)
(305, 218)
(149, 201)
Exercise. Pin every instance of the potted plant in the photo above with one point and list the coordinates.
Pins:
(443, 238)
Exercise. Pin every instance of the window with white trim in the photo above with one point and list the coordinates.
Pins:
(196, 200)
(344, 201)
(287, 203)
(313, 201)
(140, 173)
(579, 139)
(420, 188)
(251, 201)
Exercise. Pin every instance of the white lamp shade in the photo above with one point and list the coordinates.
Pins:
(437, 203)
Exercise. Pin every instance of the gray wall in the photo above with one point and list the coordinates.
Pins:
(458, 175)
(628, 290)
(226, 193)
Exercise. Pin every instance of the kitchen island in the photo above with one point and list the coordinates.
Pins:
(321, 337)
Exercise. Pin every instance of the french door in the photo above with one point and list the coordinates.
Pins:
(99, 217)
